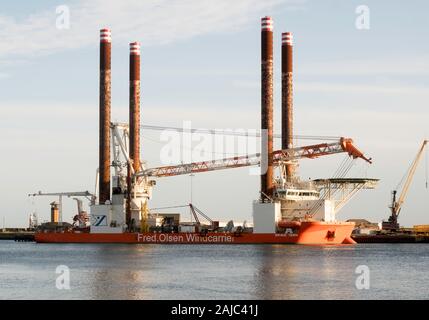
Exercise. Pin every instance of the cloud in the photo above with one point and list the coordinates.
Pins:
(151, 22)
(361, 88)
(378, 128)
(383, 66)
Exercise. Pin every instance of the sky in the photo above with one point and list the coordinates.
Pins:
(201, 63)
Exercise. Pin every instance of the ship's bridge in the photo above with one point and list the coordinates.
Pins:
(293, 194)
(297, 191)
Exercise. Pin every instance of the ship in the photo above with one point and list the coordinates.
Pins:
(284, 220)
(310, 233)
(288, 211)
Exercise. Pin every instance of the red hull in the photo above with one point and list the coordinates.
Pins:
(316, 233)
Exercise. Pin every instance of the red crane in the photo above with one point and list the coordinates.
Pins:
(279, 157)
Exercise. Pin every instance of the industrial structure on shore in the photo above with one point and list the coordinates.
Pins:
(288, 210)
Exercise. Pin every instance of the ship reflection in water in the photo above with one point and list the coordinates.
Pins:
(397, 271)
(316, 272)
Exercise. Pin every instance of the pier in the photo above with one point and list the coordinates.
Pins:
(17, 234)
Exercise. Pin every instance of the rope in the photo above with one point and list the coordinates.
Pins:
(172, 207)
(404, 176)
(341, 172)
(220, 132)
(184, 206)
(426, 167)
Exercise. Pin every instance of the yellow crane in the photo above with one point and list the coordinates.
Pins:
(395, 208)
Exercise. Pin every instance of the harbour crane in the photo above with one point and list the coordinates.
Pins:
(392, 223)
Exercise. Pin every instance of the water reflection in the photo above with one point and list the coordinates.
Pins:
(213, 272)
(271, 272)
(304, 272)
(220, 272)
(120, 272)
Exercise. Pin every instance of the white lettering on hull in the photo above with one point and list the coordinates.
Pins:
(183, 238)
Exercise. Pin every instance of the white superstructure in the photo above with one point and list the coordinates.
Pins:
(110, 217)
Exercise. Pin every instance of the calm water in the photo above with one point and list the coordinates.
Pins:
(27, 271)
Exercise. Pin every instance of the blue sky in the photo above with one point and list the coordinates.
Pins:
(200, 62)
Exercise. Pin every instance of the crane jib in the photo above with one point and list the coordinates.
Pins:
(280, 157)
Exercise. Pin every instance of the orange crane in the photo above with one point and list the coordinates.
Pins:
(392, 223)
(279, 157)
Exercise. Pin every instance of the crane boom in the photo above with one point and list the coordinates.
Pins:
(79, 205)
(203, 166)
(410, 176)
(318, 150)
(67, 194)
(279, 157)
